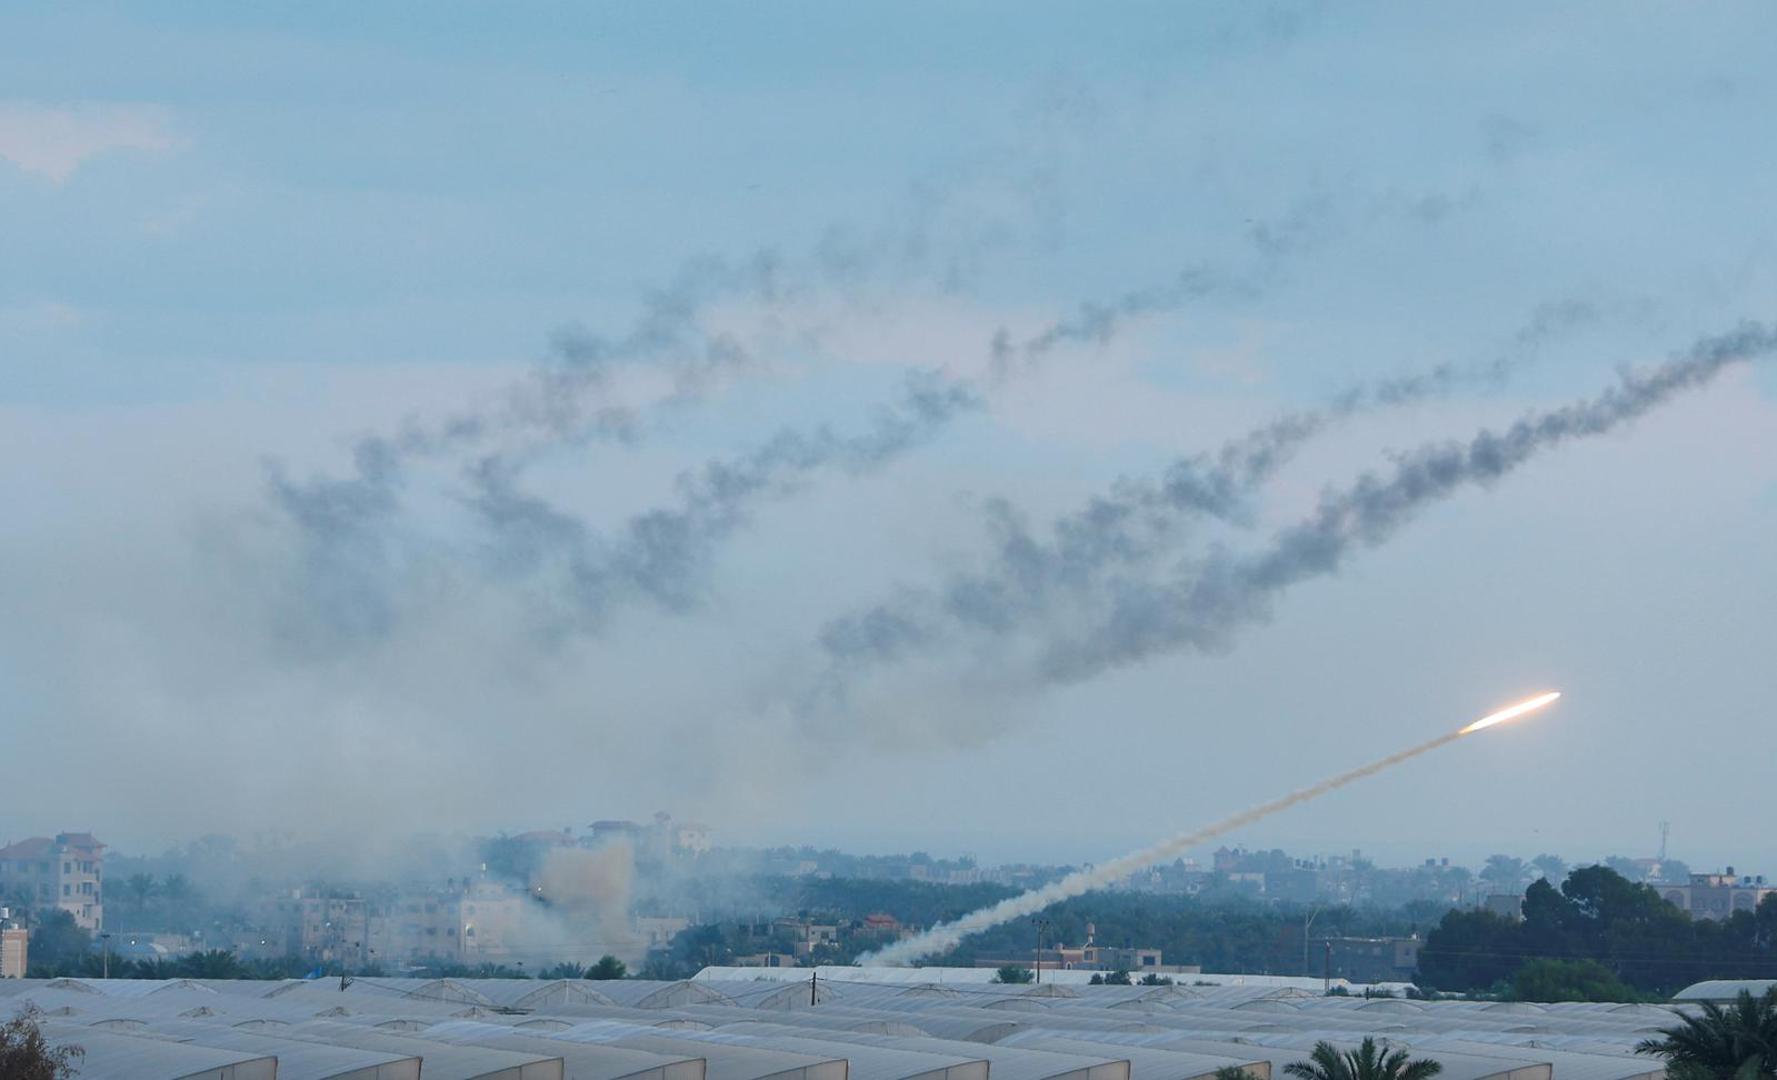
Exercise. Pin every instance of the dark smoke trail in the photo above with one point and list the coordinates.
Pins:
(660, 555)
(564, 404)
(1274, 243)
(1203, 609)
(1128, 529)
(1099, 598)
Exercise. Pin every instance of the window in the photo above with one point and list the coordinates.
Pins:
(67, 868)
(67, 890)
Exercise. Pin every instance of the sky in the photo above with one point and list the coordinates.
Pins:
(1003, 429)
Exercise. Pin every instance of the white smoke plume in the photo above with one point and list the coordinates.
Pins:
(584, 903)
(947, 936)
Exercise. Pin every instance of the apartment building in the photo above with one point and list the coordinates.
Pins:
(66, 872)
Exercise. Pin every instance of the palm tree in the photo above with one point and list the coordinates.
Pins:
(1722, 1043)
(1551, 867)
(176, 888)
(1503, 872)
(139, 887)
(1368, 1062)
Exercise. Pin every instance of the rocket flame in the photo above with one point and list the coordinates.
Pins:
(1511, 712)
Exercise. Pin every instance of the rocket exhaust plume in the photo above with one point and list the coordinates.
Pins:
(1511, 712)
(947, 936)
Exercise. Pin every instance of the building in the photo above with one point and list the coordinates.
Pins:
(1505, 905)
(1716, 896)
(152, 945)
(321, 926)
(1367, 960)
(333, 930)
(1092, 957)
(657, 931)
(66, 872)
(806, 935)
(468, 922)
(663, 838)
(879, 927)
(15, 944)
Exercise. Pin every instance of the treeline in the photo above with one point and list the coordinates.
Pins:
(1598, 925)
(914, 903)
(1222, 935)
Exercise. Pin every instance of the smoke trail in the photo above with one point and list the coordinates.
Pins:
(346, 526)
(947, 936)
(1126, 530)
(660, 554)
(1226, 591)
(663, 550)
(1096, 323)
(1273, 241)
(341, 523)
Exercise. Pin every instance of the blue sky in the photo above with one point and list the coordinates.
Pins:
(232, 236)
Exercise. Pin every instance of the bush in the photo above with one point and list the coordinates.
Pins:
(1569, 980)
(608, 967)
(26, 1055)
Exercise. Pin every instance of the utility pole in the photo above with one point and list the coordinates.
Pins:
(1041, 925)
(812, 976)
(105, 954)
(1307, 925)
(1326, 981)
(1665, 828)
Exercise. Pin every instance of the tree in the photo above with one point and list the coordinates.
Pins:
(210, 964)
(1232, 1072)
(1721, 1043)
(139, 887)
(59, 942)
(1551, 867)
(1544, 979)
(1013, 975)
(608, 967)
(176, 888)
(1117, 978)
(1675, 871)
(567, 969)
(1367, 1062)
(1154, 979)
(1503, 872)
(1470, 950)
(26, 1055)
